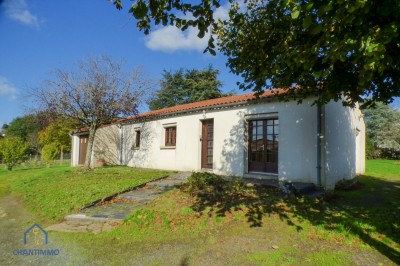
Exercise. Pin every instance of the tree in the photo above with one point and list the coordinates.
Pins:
(383, 126)
(57, 135)
(12, 149)
(98, 93)
(187, 86)
(23, 126)
(27, 128)
(331, 49)
(50, 152)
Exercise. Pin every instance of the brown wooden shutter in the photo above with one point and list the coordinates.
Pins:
(173, 139)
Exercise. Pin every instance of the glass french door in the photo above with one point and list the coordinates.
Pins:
(263, 145)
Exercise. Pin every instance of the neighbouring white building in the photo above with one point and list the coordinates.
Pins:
(238, 136)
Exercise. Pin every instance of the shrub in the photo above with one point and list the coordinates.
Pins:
(50, 152)
(13, 150)
(204, 183)
(369, 148)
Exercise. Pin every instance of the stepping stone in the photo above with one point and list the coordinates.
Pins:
(83, 218)
(166, 184)
(181, 176)
(117, 211)
(112, 211)
(80, 226)
(142, 196)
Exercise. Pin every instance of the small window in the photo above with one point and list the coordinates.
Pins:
(170, 136)
(137, 139)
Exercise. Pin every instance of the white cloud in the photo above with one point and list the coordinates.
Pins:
(7, 89)
(18, 10)
(169, 38)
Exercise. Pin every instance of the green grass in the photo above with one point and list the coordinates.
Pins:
(243, 225)
(383, 168)
(240, 225)
(55, 192)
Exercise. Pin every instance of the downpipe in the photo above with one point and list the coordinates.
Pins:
(319, 144)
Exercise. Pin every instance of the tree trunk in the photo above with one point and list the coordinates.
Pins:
(92, 132)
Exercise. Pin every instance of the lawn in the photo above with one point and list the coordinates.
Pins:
(51, 193)
(224, 224)
(257, 226)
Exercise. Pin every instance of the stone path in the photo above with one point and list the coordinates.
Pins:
(104, 215)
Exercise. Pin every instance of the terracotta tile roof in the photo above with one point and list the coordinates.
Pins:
(239, 98)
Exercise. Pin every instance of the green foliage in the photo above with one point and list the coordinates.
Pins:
(57, 134)
(13, 150)
(204, 182)
(383, 126)
(27, 128)
(369, 148)
(387, 153)
(186, 87)
(23, 127)
(345, 48)
(50, 152)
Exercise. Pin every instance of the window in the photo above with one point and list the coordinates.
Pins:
(170, 136)
(137, 139)
(263, 145)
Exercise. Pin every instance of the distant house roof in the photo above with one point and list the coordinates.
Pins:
(239, 99)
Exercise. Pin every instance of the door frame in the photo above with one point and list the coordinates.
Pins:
(80, 147)
(203, 138)
(260, 117)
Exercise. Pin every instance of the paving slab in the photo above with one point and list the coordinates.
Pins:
(167, 184)
(111, 211)
(82, 226)
(143, 195)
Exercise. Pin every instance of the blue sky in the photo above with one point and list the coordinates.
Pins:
(38, 36)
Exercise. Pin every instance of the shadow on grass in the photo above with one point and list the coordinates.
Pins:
(371, 213)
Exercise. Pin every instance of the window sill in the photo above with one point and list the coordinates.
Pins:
(167, 147)
(135, 148)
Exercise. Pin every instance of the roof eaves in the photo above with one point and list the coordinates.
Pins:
(195, 110)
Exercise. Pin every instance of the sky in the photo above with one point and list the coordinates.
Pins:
(39, 36)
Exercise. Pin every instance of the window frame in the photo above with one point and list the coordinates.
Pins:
(170, 136)
(137, 139)
(268, 157)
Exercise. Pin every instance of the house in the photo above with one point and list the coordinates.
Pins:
(238, 135)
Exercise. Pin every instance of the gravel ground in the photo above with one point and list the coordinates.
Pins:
(14, 220)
